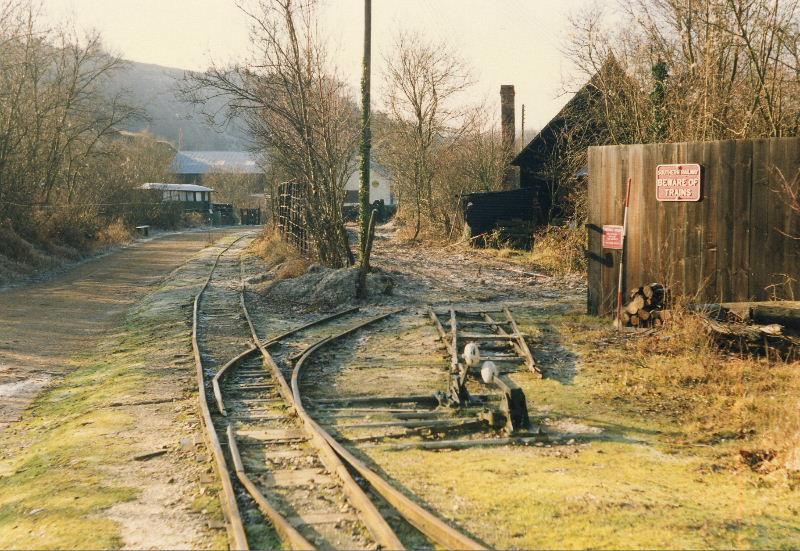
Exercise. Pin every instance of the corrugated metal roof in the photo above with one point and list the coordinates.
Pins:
(175, 187)
(205, 162)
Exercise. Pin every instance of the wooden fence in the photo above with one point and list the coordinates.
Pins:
(291, 215)
(734, 244)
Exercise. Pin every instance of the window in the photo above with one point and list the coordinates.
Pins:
(351, 197)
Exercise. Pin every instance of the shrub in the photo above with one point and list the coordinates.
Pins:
(193, 219)
(560, 250)
(74, 227)
(116, 233)
(273, 249)
(291, 268)
(13, 246)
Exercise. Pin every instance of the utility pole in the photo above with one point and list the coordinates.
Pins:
(363, 194)
(523, 125)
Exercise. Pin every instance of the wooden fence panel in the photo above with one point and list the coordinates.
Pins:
(733, 244)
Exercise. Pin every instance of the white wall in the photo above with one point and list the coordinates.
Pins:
(376, 193)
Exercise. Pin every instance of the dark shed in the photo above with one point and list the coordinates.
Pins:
(549, 163)
(485, 211)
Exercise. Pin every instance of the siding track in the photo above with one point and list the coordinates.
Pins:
(276, 463)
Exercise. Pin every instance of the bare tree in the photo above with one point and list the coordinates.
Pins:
(476, 161)
(55, 118)
(296, 110)
(422, 81)
(727, 68)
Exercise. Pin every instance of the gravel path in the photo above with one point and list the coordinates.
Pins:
(43, 325)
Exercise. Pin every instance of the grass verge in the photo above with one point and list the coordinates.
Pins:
(55, 487)
(645, 448)
(69, 461)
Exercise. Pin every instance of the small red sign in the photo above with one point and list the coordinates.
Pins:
(678, 182)
(612, 237)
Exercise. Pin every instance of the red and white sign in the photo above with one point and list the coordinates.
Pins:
(678, 182)
(613, 237)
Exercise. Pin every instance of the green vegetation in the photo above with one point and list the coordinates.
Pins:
(62, 466)
(52, 491)
(649, 434)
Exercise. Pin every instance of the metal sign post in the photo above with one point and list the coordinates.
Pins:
(617, 322)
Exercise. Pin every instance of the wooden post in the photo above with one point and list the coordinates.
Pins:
(617, 321)
(363, 194)
(366, 251)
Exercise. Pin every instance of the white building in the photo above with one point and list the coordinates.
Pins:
(380, 187)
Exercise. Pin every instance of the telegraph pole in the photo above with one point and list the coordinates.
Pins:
(523, 126)
(366, 138)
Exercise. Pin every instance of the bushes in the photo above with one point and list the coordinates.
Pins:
(116, 233)
(273, 249)
(560, 249)
(75, 227)
(13, 246)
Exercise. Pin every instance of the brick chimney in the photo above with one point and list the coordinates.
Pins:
(507, 116)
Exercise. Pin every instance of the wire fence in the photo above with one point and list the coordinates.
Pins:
(292, 216)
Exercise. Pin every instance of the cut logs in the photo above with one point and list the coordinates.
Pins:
(645, 306)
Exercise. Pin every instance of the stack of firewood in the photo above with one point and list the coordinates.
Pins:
(645, 306)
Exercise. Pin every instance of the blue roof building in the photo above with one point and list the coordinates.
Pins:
(190, 166)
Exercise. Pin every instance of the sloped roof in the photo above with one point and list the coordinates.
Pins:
(574, 112)
(205, 162)
(174, 187)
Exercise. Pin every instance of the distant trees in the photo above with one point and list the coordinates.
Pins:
(694, 69)
(296, 109)
(57, 157)
(434, 149)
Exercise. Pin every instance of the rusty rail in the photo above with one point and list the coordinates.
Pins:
(374, 521)
(425, 521)
(236, 534)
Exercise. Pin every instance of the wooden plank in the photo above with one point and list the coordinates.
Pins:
(483, 323)
(637, 224)
(651, 245)
(295, 477)
(783, 165)
(594, 238)
(761, 221)
(677, 225)
(614, 215)
(722, 204)
(713, 156)
(466, 444)
(379, 400)
(742, 234)
(411, 423)
(312, 519)
(273, 435)
(486, 337)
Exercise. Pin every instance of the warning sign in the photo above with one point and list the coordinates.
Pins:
(612, 237)
(678, 182)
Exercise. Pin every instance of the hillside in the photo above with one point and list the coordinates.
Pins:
(154, 88)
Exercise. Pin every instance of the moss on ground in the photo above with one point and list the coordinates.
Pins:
(628, 469)
(58, 463)
(54, 488)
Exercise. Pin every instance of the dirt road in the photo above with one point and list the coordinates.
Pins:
(43, 325)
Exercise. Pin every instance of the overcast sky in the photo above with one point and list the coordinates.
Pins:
(504, 41)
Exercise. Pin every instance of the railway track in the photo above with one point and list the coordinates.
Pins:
(276, 463)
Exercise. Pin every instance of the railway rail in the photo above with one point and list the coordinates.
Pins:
(272, 456)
